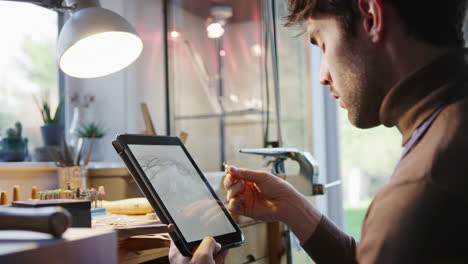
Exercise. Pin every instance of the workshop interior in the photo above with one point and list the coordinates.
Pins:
(224, 76)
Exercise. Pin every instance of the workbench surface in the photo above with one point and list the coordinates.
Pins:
(77, 245)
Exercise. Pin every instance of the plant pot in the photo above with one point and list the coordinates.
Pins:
(43, 153)
(13, 149)
(51, 134)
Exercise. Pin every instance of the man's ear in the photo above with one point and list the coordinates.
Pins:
(372, 12)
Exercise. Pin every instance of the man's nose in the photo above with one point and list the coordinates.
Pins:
(325, 77)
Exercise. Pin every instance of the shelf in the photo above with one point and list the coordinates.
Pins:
(95, 168)
(226, 114)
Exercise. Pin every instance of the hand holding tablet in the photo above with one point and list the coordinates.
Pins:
(209, 252)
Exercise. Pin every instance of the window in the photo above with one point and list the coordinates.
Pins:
(368, 158)
(228, 83)
(28, 66)
(221, 99)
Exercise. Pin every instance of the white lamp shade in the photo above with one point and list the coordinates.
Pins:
(96, 42)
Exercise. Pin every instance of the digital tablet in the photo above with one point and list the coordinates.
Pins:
(177, 190)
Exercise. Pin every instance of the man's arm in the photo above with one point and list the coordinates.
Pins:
(329, 244)
(262, 196)
(320, 238)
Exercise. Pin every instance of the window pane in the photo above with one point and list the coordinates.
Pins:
(28, 66)
(368, 158)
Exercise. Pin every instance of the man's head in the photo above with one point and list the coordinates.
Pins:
(367, 45)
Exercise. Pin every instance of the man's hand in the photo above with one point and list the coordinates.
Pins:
(258, 194)
(263, 196)
(207, 253)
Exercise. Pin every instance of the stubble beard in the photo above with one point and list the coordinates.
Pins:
(364, 94)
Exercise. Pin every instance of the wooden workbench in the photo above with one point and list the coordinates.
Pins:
(139, 249)
(77, 246)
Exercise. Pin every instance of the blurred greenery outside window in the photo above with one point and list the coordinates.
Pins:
(28, 66)
(368, 158)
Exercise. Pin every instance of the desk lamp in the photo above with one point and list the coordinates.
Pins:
(94, 41)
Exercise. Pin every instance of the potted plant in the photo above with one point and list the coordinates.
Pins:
(14, 147)
(50, 131)
(89, 132)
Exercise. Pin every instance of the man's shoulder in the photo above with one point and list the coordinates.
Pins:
(444, 150)
(441, 155)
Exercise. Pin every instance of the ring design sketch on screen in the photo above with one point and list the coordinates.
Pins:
(163, 173)
(178, 184)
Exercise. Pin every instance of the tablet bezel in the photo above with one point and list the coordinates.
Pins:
(227, 240)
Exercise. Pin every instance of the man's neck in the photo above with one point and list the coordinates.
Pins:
(408, 56)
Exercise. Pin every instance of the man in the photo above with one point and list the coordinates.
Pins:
(397, 63)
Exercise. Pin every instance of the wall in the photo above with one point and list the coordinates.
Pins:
(27, 175)
(118, 96)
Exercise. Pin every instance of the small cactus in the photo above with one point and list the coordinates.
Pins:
(16, 131)
(11, 133)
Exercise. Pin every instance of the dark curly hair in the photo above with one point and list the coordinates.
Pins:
(438, 22)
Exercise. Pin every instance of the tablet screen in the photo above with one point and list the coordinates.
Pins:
(185, 195)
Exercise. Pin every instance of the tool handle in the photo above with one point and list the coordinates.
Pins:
(53, 220)
(3, 198)
(16, 193)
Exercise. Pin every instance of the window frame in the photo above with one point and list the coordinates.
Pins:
(326, 143)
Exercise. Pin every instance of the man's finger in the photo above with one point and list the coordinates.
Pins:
(235, 189)
(249, 175)
(175, 256)
(228, 181)
(234, 205)
(219, 259)
(206, 251)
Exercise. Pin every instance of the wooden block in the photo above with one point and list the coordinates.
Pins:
(130, 231)
(139, 243)
(131, 257)
(79, 209)
(149, 127)
(78, 246)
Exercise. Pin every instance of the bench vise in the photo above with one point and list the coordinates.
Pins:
(309, 169)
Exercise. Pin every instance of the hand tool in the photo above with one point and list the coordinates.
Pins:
(52, 220)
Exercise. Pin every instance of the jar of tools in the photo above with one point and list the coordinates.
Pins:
(73, 177)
